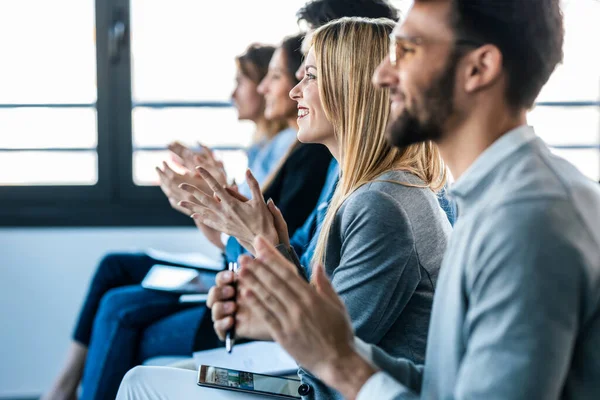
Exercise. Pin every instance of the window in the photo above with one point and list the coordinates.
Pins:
(92, 92)
(48, 94)
(95, 91)
(567, 116)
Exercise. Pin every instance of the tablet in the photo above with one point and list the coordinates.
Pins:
(249, 382)
(180, 280)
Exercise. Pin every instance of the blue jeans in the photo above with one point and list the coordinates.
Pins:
(123, 324)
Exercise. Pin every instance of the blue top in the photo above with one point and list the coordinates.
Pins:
(448, 205)
(516, 312)
(264, 157)
(304, 240)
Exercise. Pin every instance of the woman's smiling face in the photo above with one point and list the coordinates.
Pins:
(314, 127)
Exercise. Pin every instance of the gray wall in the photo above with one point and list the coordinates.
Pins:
(44, 275)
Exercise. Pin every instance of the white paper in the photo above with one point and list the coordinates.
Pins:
(193, 298)
(259, 357)
(197, 260)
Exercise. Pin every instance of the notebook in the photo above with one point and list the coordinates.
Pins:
(194, 260)
(181, 280)
(267, 358)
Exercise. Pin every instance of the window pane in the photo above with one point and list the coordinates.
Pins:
(211, 126)
(185, 49)
(578, 78)
(145, 162)
(48, 51)
(48, 128)
(588, 161)
(566, 125)
(48, 168)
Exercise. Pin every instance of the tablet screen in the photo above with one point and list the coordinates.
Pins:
(248, 381)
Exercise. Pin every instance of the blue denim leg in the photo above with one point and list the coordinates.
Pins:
(123, 315)
(115, 270)
(175, 335)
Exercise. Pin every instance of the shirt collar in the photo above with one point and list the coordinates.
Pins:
(490, 159)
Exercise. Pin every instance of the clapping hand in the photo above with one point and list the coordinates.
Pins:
(229, 212)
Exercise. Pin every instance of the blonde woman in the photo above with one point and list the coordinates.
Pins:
(384, 234)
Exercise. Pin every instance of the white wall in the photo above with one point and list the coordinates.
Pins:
(44, 275)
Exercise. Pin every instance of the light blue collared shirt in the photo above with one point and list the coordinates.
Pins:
(516, 313)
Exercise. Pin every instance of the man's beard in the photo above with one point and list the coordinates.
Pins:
(437, 106)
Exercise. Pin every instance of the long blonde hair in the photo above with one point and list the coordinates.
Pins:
(347, 52)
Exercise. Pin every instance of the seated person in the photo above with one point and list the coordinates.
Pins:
(122, 324)
(516, 312)
(384, 233)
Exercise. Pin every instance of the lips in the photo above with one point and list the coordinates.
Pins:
(302, 112)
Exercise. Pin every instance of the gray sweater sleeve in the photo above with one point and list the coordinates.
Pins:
(378, 270)
(396, 369)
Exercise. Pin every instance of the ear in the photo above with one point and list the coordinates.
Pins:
(483, 68)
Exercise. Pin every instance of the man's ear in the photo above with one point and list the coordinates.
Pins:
(483, 68)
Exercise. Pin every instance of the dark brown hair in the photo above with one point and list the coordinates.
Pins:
(292, 52)
(528, 33)
(254, 62)
(319, 12)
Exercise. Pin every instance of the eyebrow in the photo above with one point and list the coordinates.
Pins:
(406, 37)
(307, 67)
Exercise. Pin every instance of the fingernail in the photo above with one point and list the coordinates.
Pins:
(270, 200)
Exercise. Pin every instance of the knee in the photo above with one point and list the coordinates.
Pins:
(132, 383)
(114, 304)
(112, 263)
(107, 270)
(158, 383)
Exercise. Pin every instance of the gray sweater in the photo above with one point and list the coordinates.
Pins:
(384, 253)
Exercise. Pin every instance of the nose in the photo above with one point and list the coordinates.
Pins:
(296, 92)
(385, 75)
(300, 72)
(262, 86)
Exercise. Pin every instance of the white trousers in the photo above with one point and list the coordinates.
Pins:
(165, 383)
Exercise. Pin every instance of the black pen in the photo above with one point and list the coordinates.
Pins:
(230, 335)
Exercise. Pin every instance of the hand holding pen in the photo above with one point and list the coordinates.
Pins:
(229, 308)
